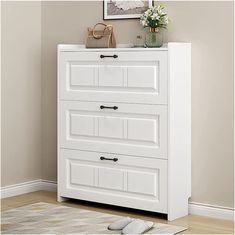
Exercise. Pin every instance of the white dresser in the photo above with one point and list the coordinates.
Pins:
(124, 126)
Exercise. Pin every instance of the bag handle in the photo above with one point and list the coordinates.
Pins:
(110, 27)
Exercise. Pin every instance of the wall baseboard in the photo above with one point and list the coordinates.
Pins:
(48, 185)
(200, 209)
(213, 211)
(17, 189)
(27, 187)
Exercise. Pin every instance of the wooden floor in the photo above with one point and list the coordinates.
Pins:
(195, 224)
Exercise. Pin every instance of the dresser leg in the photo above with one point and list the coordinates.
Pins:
(61, 199)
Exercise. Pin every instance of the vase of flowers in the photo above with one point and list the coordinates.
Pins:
(156, 19)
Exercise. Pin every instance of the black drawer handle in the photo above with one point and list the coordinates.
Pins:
(109, 159)
(108, 107)
(109, 56)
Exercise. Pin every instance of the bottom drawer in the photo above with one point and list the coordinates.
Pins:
(121, 180)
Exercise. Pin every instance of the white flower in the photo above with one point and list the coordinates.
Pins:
(155, 17)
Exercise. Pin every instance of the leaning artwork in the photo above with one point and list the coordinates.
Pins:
(121, 9)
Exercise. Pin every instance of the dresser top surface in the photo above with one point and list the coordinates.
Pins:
(120, 47)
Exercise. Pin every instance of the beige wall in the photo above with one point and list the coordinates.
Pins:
(209, 26)
(21, 92)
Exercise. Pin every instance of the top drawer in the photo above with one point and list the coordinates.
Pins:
(132, 77)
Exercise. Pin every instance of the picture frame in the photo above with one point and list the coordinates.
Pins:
(122, 9)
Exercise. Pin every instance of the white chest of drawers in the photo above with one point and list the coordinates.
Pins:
(124, 126)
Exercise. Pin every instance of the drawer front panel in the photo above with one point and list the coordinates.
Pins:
(143, 181)
(125, 79)
(139, 130)
(81, 174)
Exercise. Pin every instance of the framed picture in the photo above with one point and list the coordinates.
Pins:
(124, 9)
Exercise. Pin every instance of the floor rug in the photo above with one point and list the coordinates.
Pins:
(46, 218)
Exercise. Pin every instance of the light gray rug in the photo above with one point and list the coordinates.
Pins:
(46, 218)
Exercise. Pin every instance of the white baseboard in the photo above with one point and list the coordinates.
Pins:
(36, 185)
(27, 187)
(17, 189)
(212, 211)
(48, 185)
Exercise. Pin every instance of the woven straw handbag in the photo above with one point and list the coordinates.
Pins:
(101, 38)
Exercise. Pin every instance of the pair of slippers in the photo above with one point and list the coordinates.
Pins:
(131, 226)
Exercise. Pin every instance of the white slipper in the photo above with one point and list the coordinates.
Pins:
(137, 227)
(120, 224)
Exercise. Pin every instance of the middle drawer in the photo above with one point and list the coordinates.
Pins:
(130, 129)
